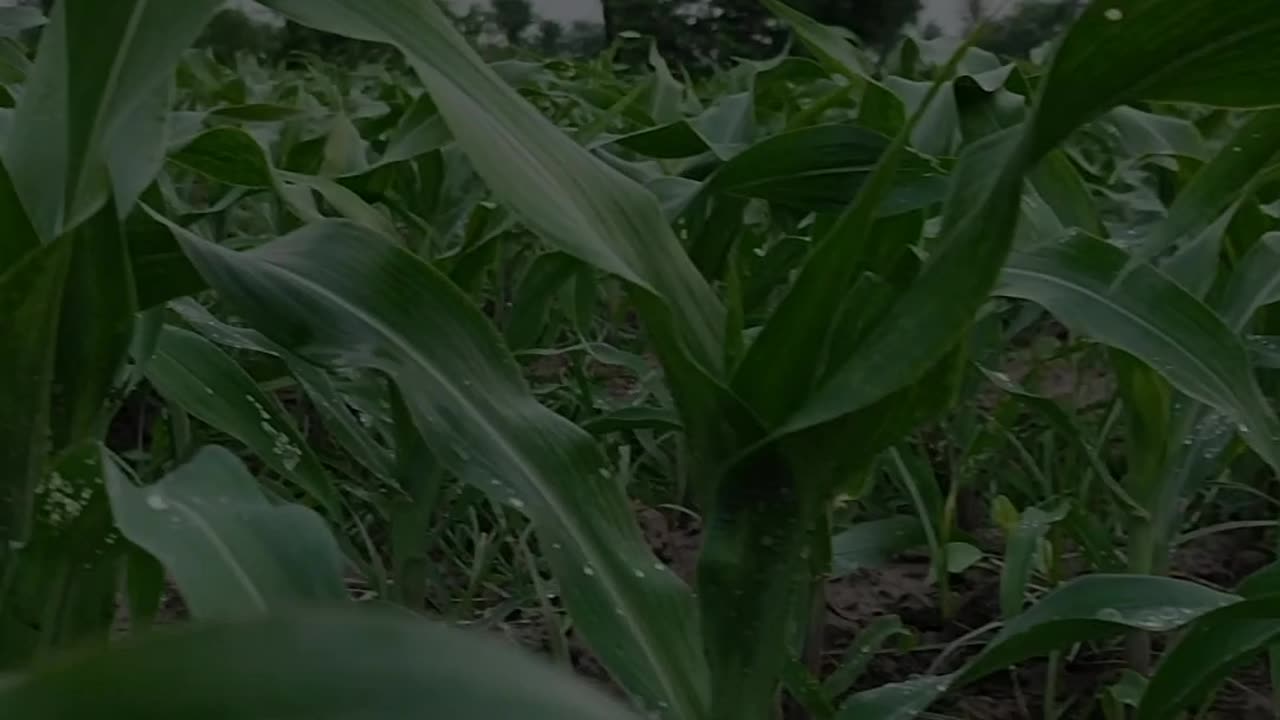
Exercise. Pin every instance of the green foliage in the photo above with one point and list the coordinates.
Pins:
(358, 317)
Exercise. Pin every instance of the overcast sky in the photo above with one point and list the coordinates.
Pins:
(946, 13)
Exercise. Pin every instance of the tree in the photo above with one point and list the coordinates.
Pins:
(513, 17)
(1032, 25)
(700, 33)
(550, 33)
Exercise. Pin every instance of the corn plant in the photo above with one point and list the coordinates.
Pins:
(797, 355)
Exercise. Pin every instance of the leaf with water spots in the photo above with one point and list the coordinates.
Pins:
(1092, 607)
(1207, 653)
(206, 382)
(339, 294)
(232, 553)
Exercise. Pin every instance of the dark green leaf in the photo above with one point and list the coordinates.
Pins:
(206, 382)
(337, 293)
(232, 553)
(307, 666)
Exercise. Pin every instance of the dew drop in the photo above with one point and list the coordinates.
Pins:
(639, 573)
(516, 503)
(588, 571)
(1114, 14)
(155, 502)
(1110, 615)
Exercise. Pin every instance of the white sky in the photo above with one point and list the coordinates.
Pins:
(948, 14)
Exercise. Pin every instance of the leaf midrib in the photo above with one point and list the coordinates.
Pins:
(575, 535)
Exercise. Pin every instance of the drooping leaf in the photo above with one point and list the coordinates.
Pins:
(319, 386)
(557, 188)
(874, 543)
(206, 382)
(1121, 50)
(318, 665)
(336, 293)
(1095, 606)
(232, 553)
(1253, 148)
(822, 167)
(1150, 317)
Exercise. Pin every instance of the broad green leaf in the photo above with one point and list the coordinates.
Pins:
(18, 237)
(546, 275)
(320, 388)
(229, 156)
(1143, 134)
(234, 157)
(874, 543)
(347, 203)
(1220, 183)
(339, 294)
(1095, 606)
(822, 167)
(256, 112)
(895, 701)
(790, 345)
(724, 129)
(206, 382)
(1199, 51)
(61, 583)
(1088, 608)
(557, 188)
(1255, 283)
(960, 556)
(312, 665)
(1117, 52)
(1150, 317)
(831, 45)
(231, 552)
(1207, 653)
(976, 241)
(97, 64)
(138, 147)
(31, 293)
(94, 331)
(15, 20)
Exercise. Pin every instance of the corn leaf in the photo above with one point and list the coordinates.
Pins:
(1188, 48)
(1152, 318)
(30, 299)
(337, 293)
(1207, 653)
(206, 382)
(318, 665)
(556, 187)
(99, 64)
(232, 553)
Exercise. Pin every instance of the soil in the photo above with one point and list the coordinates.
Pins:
(903, 588)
